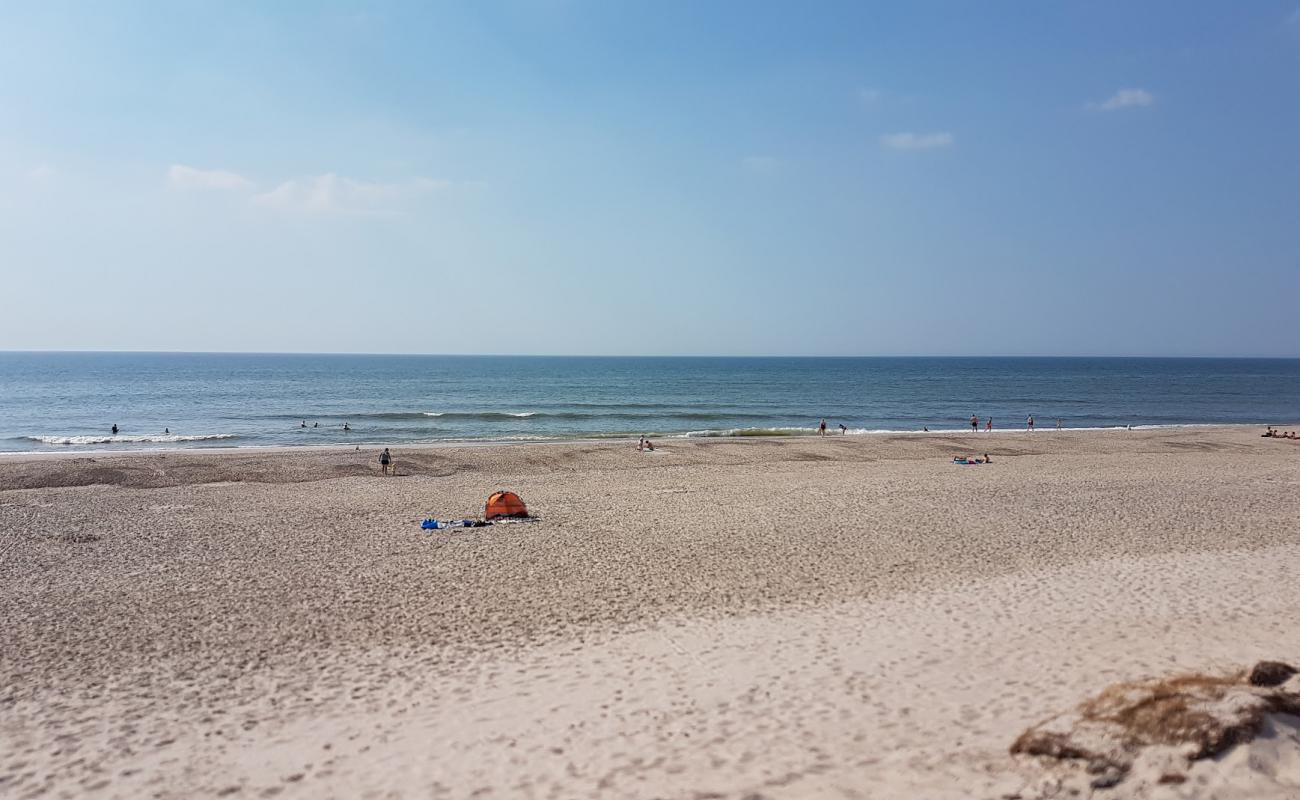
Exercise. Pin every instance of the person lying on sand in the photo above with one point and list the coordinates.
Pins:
(1270, 433)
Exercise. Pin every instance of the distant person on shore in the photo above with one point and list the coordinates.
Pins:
(987, 460)
(1269, 433)
(1030, 422)
(843, 430)
(114, 428)
(167, 431)
(1058, 423)
(925, 428)
(988, 426)
(974, 423)
(384, 460)
(822, 428)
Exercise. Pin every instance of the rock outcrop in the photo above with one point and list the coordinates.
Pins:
(1193, 716)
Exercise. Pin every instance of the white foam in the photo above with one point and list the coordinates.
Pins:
(124, 439)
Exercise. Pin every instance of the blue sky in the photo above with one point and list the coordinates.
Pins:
(546, 176)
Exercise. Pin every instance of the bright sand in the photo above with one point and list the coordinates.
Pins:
(848, 617)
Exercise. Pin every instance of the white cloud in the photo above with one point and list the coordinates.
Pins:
(870, 96)
(327, 193)
(760, 165)
(184, 177)
(331, 193)
(916, 141)
(1125, 98)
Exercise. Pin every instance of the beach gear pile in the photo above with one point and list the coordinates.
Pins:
(502, 506)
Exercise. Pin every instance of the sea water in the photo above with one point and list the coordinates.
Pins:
(70, 401)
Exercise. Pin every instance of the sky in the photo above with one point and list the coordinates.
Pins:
(666, 178)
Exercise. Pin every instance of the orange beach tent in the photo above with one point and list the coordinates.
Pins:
(504, 504)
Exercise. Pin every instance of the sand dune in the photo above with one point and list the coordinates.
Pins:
(853, 617)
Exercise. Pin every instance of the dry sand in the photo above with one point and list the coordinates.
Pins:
(848, 617)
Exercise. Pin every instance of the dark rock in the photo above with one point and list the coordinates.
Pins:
(1271, 673)
(1109, 778)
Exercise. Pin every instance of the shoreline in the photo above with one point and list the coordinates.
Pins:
(614, 439)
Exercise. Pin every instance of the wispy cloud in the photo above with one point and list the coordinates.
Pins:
(869, 96)
(41, 173)
(328, 193)
(331, 193)
(1294, 18)
(916, 141)
(184, 177)
(1125, 98)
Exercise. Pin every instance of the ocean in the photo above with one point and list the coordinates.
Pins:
(70, 401)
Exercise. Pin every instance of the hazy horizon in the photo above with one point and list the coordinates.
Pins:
(1155, 356)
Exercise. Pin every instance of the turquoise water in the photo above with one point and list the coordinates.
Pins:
(69, 401)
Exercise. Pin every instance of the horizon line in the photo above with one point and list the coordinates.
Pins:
(634, 355)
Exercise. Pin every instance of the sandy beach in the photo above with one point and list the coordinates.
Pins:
(848, 617)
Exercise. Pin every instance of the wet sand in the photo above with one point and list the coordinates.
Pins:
(847, 617)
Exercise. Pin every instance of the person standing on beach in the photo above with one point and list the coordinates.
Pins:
(843, 430)
(822, 428)
(988, 426)
(1058, 423)
(974, 423)
(1030, 422)
(384, 460)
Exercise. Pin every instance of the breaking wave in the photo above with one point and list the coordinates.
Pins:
(161, 438)
(515, 416)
